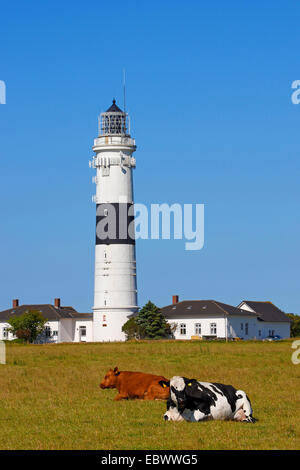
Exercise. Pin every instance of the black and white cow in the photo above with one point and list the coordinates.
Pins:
(191, 400)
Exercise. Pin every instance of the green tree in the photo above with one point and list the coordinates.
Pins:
(152, 323)
(27, 326)
(149, 323)
(295, 325)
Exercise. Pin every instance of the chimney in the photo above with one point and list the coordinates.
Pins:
(15, 303)
(57, 303)
(175, 299)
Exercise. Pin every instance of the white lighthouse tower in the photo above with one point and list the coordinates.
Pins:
(115, 262)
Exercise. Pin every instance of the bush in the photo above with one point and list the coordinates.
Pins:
(295, 325)
(18, 341)
(131, 329)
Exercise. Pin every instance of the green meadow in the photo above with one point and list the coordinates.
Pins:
(50, 396)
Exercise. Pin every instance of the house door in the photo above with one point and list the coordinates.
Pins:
(82, 333)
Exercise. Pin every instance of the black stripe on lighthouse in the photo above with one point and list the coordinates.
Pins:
(115, 224)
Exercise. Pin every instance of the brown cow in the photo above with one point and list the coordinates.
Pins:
(136, 385)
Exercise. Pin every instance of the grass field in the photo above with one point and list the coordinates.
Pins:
(50, 396)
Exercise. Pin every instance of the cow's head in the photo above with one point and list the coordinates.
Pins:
(110, 379)
(179, 391)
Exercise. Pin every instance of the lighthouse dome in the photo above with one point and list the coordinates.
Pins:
(114, 108)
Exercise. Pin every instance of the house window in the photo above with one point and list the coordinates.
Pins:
(47, 331)
(55, 333)
(213, 329)
(259, 332)
(182, 328)
(104, 318)
(246, 328)
(242, 326)
(197, 328)
(5, 333)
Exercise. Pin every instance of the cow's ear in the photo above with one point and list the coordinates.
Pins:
(164, 383)
(189, 382)
(116, 371)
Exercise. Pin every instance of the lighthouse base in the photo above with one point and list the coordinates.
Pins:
(107, 324)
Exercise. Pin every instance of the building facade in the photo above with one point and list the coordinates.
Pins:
(64, 324)
(193, 319)
(270, 320)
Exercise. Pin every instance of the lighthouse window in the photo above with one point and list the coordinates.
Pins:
(104, 317)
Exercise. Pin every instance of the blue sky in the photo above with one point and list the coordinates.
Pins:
(209, 94)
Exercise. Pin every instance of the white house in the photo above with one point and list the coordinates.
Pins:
(210, 318)
(193, 319)
(64, 324)
(270, 320)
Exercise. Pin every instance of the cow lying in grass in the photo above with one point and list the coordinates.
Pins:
(191, 400)
(136, 385)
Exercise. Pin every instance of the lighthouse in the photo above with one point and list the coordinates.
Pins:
(115, 288)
